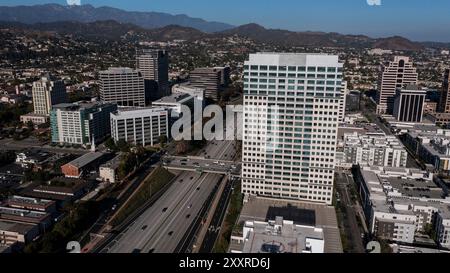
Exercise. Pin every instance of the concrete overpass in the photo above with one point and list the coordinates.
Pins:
(202, 165)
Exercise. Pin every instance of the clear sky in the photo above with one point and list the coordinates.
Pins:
(420, 20)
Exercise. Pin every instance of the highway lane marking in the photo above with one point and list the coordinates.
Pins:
(177, 213)
(135, 227)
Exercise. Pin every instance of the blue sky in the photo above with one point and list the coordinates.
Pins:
(420, 20)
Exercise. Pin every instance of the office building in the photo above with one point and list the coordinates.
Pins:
(444, 102)
(123, 86)
(154, 67)
(46, 93)
(141, 126)
(409, 104)
(224, 75)
(208, 78)
(291, 112)
(187, 88)
(395, 75)
(175, 102)
(344, 92)
(81, 123)
(353, 102)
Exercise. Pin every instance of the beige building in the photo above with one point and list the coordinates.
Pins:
(46, 93)
(108, 171)
(12, 233)
(395, 75)
(36, 119)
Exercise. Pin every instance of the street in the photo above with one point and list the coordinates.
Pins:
(351, 228)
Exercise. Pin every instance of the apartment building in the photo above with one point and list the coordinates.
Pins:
(373, 150)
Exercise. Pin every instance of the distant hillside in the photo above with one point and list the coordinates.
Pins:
(114, 30)
(110, 30)
(285, 37)
(398, 43)
(86, 13)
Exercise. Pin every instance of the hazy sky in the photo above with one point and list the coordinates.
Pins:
(419, 20)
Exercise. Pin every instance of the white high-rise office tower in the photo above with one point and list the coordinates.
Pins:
(46, 93)
(291, 111)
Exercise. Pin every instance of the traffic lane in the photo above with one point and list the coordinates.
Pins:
(174, 231)
(154, 213)
(135, 233)
(188, 202)
(214, 228)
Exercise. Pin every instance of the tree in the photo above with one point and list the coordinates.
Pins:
(127, 164)
(123, 146)
(110, 144)
(181, 147)
(163, 139)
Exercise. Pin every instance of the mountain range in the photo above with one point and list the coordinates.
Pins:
(86, 13)
(111, 23)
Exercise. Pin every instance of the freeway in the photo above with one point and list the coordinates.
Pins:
(162, 227)
(218, 217)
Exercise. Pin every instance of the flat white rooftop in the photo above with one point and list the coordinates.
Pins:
(294, 59)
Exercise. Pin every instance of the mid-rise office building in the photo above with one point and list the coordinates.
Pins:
(409, 104)
(81, 123)
(291, 112)
(175, 102)
(208, 78)
(444, 102)
(46, 93)
(154, 66)
(397, 74)
(123, 86)
(141, 126)
(187, 88)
